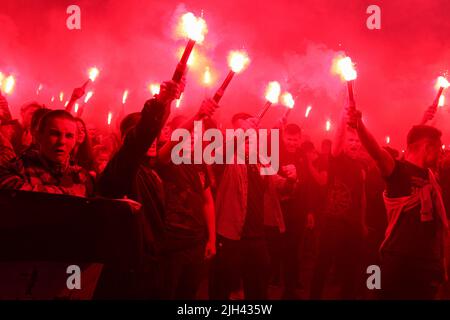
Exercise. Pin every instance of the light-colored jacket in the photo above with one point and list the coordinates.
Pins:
(231, 202)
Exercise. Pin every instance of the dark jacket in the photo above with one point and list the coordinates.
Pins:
(127, 174)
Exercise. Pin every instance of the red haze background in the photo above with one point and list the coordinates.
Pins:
(290, 41)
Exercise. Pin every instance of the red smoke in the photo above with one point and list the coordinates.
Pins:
(289, 41)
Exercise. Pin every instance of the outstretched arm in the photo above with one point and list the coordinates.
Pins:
(5, 113)
(76, 94)
(210, 217)
(429, 114)
(339, 137)
(119, 174)
(383, 159)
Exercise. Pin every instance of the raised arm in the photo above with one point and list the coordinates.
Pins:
(119, 174)
(383, 159)
(339, 137)
(5, 113)
(429, 114)
(210, 218)
(76, 94)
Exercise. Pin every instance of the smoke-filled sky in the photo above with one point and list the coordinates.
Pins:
(293, 41)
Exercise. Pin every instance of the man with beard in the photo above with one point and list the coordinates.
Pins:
(412, 252)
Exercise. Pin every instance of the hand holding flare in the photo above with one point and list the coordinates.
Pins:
(429, 114)
(237, 61)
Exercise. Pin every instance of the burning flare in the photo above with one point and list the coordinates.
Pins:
(76, 106)
(308, 111)
(110, 115)
(288, 100)
(192, 27)
(441, 101)
(273, 92)
(388, 139)
(61, 96)
(442, 83)
(207, 77)
(93, 73)
(238, 60)
(328, 125)
(125, 97)
(154, 88)
(345, 68)
(88, 96)
(8, 84)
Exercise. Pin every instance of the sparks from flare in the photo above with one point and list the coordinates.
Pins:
(192, 27)
(66, 103)
(88, 96)
(2, 76)
(76, 106)
(442, 82)
(61, 96)
(345, 68)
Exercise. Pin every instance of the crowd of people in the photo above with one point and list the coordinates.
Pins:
(237, 230)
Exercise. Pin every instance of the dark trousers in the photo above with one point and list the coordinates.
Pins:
(292, 239)
(183, 272)
(246, 259)
(342, 246)
(275, 245)
(408, 279)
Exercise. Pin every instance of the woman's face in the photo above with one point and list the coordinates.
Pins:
(81, 133)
